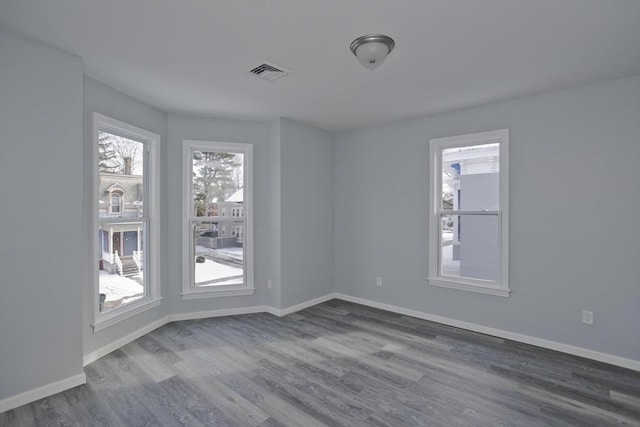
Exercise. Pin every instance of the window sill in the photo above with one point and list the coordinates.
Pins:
(209, 293)
(501, 292)
(118, 315)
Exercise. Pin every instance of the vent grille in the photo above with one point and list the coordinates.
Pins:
(269, 71)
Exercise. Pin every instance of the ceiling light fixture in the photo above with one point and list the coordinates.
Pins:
(371, 50)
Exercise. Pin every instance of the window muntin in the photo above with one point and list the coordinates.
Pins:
(217, 243)
(126, 220)
(469, 212)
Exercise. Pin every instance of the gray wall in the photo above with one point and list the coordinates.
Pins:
(574, 206)
(275, 224)
(41, 245)
(102, 99)
(307, 212)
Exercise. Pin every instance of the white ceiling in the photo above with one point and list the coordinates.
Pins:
(193, 57)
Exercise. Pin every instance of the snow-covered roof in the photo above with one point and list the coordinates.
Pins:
(236, 197)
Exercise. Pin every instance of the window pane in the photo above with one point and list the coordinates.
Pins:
(217, 183)
(470, 177)
(469, 246)
(120, 176)
(219, 257)
(121, 265)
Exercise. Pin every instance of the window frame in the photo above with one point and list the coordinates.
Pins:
(151, 217)
(189, 290)
(500, 287)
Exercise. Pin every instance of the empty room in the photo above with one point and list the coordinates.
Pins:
(319, 213)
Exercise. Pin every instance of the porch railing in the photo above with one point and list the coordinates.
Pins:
(138, 259)
(118, 262)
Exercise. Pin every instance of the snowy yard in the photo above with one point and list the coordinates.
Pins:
(212, 273)
(120, 290)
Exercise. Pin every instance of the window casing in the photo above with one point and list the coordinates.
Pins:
(217, 219)
(469, 212)
(125, 228)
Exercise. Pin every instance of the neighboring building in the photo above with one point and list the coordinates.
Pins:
(228, 230)
(231, 213)
(474, 180)
(121, 245)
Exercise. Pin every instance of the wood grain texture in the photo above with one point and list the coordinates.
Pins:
(337, 364)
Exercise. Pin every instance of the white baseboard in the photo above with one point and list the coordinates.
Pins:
(41, 392)
(526, 339)
(114, 345)
(301, 306)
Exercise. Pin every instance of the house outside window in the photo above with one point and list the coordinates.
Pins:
(468, 212)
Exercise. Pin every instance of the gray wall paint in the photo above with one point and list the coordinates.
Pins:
(307, 212)
(574, 206)
(102, 99)
(206, 129)
(275, 295)
(41, 245)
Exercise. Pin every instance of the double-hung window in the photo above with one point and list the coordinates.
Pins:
(217, 225)
(469, 212)
(126, 221)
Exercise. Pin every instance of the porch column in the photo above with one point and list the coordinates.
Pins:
(111, 243)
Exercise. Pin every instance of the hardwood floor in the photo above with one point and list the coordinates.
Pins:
(337, 364)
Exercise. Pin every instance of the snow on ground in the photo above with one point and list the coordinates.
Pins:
(117, 287)
(236, 253)
(209, 270)
(232, 252)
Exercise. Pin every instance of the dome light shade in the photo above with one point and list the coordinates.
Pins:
(372, 50)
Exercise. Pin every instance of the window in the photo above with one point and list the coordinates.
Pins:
(468, 209)
(116, 198)
(238, 232)
(127, 228)
(217, 249)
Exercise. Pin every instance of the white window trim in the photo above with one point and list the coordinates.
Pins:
(501, 286)
(248, 288)
(152, 236)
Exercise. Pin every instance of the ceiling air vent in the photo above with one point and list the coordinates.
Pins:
(269, 71)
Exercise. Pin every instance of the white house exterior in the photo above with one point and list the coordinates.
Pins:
(474, 180)
(121, 245)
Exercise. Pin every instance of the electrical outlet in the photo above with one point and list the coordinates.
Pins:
(587, 317)
(379, 281)
(269, 284)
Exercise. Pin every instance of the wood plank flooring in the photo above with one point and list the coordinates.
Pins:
(337, 364)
